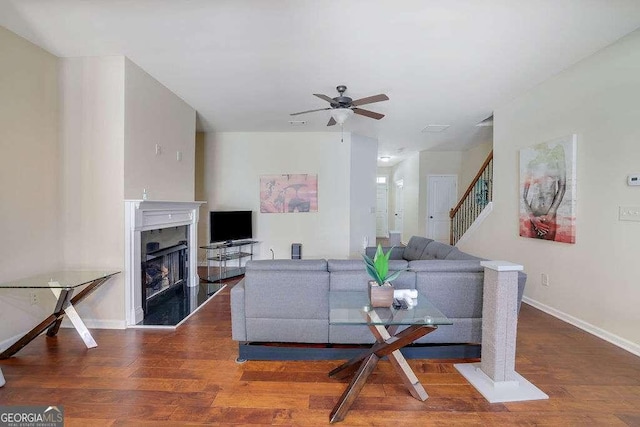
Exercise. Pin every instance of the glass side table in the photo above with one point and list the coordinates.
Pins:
(353, 308)
(62, 284)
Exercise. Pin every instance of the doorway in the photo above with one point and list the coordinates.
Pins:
(382, 207)
(442, 195)
(398, 216)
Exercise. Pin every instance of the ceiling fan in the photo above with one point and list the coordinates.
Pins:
(342, 107)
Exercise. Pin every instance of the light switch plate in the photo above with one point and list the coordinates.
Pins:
(629, 213)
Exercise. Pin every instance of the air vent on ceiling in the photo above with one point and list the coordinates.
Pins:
(435, 128)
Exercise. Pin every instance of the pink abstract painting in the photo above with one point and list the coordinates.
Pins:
(288, 193)
(548, 191)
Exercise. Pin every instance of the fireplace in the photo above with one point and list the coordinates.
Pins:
(160, 255)
(164, 264)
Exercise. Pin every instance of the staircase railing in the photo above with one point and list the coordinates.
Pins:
(474, 200)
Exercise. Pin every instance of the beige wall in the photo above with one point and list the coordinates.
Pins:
(362, 193)
(472, 159)
(409, 172)
(593, 283)
(201, 194)
(435, 163)
(92, 129)
(415, 172)
(234, 163)
(388, 172)
(29, 177)
(156, 116)
(113, 114)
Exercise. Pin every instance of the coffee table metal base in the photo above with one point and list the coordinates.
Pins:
(387, 345)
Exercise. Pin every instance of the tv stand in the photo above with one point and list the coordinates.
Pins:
(221, 255)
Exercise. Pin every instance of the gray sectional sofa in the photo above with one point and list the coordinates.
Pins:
(287, 301)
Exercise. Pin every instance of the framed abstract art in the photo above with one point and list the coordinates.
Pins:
(289, 193)
(548, 190)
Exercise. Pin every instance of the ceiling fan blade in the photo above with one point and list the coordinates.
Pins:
(326, 98)
(331, 122)
(368, 113)
(370, 99)
(310, 111)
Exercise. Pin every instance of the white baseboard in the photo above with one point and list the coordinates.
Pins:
(624, 344)
(10, 341)
(97, 323)
(90, 323)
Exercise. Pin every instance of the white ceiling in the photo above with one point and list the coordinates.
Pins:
(245, 65)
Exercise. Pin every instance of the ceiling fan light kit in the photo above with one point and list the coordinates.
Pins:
(342, 107)
(340, 115)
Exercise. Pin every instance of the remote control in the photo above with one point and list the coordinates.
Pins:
(396, 303)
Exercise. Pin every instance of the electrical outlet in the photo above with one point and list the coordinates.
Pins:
(158, 150)
(33, 297)
(544, 279)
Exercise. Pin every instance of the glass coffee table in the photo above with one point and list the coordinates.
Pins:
(353, 308)
(63, 284)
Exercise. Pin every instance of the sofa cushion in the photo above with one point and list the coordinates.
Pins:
(287, 264)
(287, 294)
(396, 251)
(436, 250)
(357, 280)
(288, 330)
(358, 265)
(345, 264)
(456, 294)
(444, 265)
(457, 254)
(415, 247)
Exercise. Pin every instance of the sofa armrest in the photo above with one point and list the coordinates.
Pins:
(238, 315)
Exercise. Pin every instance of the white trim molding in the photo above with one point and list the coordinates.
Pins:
(624, 344)
(143, 215)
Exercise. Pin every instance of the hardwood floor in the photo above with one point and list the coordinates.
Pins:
(190, 377)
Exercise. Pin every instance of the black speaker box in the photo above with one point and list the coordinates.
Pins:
(296, 251)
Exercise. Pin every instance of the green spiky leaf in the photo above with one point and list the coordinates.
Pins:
(394, 276)
(378, 267)
(374, 274)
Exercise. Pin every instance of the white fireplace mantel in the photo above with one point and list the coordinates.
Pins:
(143, 215)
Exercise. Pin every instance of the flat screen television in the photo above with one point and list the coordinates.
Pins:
(225, 226)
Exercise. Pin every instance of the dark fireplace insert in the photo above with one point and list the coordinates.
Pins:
(165, 265)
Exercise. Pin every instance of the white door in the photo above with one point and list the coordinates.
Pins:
(441, 198)
(399, 208)
(382, 214)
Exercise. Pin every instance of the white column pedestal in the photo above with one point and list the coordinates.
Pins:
(2, 381)
(495, 376)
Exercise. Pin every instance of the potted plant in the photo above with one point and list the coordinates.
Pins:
(380, 288)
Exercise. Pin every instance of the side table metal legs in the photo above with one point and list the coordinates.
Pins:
(365, 363)
(52, 323)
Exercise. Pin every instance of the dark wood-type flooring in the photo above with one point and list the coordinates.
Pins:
(190, 377)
